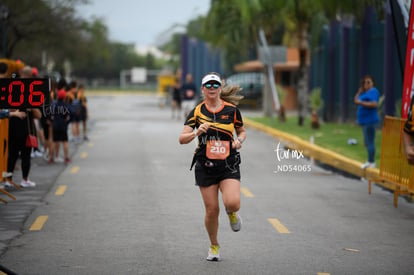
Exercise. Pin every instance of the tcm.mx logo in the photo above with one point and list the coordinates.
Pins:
(283, 154)
(287, 155)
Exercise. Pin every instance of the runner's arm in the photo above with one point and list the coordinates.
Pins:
(241, 137)
(241, 134)
(188, 133)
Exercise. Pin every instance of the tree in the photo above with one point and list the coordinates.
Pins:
(50, 30)
(94, 52)
(302, 13)
(336, 10)
(235, 25)
(194, 27)
(226, 28)
(36, 23)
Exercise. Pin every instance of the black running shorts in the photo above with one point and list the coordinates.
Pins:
(208, 172)
(60, 135)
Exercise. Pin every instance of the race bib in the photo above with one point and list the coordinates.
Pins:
(218, 149)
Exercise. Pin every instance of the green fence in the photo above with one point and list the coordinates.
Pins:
(346, 53)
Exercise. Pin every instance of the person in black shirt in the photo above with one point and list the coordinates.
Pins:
(60, 119)
(19, 124)
(176, 99)
(189, 92)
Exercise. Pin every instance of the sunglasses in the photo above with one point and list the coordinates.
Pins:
(214, 85)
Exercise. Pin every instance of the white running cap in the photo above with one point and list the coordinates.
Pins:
(210, 77)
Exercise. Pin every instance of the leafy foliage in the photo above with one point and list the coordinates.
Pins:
(316, 99)
(53, 29)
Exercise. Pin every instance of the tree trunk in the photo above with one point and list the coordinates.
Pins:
(282, 114)
(315, 120)
(267, 97)
(302, 87)
(303, 75)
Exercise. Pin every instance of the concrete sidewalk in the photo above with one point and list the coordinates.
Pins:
(14, 214)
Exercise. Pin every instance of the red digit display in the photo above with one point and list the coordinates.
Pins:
(21, 97)
(37, 94)
(23, 93)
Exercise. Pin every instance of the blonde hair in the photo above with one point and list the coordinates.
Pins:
(229, 93)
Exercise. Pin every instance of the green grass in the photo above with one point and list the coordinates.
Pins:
(332, 136)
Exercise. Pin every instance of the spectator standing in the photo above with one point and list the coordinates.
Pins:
(367, 99)
(75, 107)
(176, 99)
(60, 117)
(188, 94)
(84, 110)
(46, 122)
(38, 152)
(20, 123)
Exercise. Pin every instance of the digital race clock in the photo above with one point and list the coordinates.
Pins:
(24, 93)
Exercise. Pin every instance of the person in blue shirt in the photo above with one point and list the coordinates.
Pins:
(367, 99)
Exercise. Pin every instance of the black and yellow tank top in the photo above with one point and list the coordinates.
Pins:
(217, 142)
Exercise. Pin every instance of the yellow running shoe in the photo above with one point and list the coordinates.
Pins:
(235, 221)
(213, 253)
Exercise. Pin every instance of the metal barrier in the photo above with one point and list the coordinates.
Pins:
(165, 82)
(394, 168)
(4, 136)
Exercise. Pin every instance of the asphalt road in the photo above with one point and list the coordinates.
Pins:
(128, 205)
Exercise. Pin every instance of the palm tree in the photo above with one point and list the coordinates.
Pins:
(301, 13)
(235, 24)
(224, 27)
(354, 8)
(239, 22)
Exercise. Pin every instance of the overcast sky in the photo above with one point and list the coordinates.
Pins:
(142, 21)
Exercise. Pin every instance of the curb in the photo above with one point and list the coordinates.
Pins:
(316, 152)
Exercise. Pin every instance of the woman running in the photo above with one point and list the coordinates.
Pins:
(216, 158)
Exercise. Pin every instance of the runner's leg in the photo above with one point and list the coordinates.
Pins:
(211, 203)
(230, 189)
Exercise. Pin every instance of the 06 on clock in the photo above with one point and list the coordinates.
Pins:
(23, 93)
